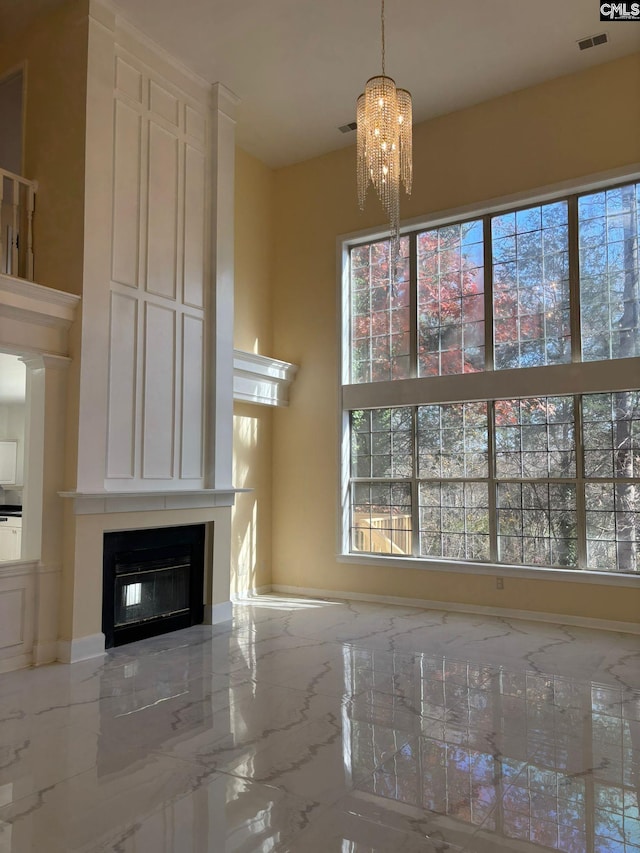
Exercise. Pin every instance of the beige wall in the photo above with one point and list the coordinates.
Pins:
(253, 332)
(54, 53)
(11, 124)
(571, 127)
(252, 515)
(254, 255)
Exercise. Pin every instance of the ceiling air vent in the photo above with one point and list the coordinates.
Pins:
(593, 41)
(347, 128)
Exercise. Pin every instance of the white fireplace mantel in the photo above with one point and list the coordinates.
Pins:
(94, 503)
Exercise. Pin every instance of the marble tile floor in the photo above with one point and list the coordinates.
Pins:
(315, 726)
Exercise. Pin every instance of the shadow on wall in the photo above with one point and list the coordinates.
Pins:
(251, 524)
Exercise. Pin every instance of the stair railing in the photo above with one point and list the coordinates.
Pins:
(17, 205)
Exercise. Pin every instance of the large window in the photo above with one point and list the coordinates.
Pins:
(491, 389)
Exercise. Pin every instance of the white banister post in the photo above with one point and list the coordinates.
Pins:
(15, 258)
(4, 259)
(31, 196)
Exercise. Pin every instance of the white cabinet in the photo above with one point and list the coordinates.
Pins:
(10, 538)
(8, 461)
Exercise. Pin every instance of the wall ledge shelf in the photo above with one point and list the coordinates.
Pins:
(26, 300)
(261, 380)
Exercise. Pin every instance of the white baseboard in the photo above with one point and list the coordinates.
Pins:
(81, 648)
(244, 594)
(454, 607)
(216, 613)
(12, 663)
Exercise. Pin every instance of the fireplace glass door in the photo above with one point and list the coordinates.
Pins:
(153, 582)
(151, 591)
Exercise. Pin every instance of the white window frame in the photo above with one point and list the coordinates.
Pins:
(555, 380)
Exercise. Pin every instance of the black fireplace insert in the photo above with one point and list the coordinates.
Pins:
(153, 582)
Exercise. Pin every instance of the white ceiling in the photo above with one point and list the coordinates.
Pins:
(299, 65)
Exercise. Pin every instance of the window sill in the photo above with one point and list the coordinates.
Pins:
(455, 567)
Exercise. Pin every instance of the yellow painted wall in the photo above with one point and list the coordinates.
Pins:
(570, 127)
(53, 52)
(253, 332)
(254, 255)
(252, 517)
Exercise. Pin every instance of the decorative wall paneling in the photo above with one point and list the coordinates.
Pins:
(17, 615)
(158, 273)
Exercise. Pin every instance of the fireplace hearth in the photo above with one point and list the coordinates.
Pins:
(153, 582)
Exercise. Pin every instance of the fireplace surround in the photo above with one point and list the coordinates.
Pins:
(153, 582)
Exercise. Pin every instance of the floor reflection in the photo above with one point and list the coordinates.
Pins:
(540, 758)
(329, 728)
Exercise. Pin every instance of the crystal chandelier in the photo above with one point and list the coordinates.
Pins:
(384, 122)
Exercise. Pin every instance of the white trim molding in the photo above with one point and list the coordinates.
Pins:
(18, 568)
(98, 503)
(253, 592)
(261, 380)
(454, 607)
(219, 313)
(33, 303)
(81, 648)
(502, 570)
(21, 661)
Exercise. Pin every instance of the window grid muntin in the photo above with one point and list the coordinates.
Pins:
(392, 312)
(474, 462)
(602, 280)
(370, 432)
(610, 449)
(617, 546)
(404, 525)
(572, 200)
(525, 514)
(433, 423)
(438, 279)
(590, 382)
(574, 280)
(523, 429)
(532, 307)
(378, 526)
(615, 514)
(473, 541)
(382, 538)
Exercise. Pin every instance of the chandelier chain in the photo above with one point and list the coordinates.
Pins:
(382, 31)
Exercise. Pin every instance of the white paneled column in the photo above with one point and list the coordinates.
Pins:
(94, 334)
(220, 315)
(219, 436)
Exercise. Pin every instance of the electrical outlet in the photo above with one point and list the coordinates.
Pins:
(499, 583)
